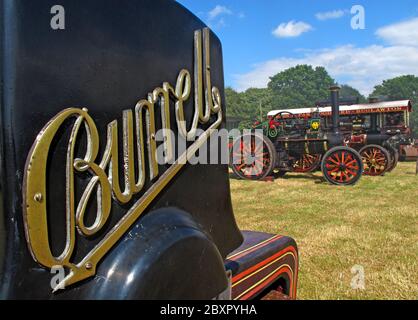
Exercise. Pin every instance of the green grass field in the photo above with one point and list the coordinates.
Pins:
(373, 224)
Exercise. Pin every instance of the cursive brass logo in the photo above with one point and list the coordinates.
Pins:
(139, 128)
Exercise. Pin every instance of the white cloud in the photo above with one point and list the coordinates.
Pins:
(291, 29)
(217, 11)
(362, 68)
(402, 33)
(216, 18)
(335, 14)
(220, 24)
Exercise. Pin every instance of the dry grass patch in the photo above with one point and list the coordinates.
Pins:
(373, 224)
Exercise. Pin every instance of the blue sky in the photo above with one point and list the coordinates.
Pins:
(263, 37)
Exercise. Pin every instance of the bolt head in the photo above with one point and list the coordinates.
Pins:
(38, 197)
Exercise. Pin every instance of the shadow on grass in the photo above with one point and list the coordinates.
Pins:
(307, 176)
(316, 179)
(411, 173)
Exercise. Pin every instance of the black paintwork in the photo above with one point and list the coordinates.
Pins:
(146, 264)
(111, 54)
(373, 123)
(335, 107)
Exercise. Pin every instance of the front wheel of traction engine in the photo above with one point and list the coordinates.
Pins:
(376, 160)
(253, 157)
(342, 166)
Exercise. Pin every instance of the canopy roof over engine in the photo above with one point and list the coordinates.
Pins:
(377, 107)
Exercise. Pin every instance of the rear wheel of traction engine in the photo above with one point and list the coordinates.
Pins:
(253, 157)
(376, 160)
(394, 157)
(307, 163)
(342, 166)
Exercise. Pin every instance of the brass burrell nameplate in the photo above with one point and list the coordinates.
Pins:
(103, 186)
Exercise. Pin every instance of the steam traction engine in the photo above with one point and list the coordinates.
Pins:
(293, 144)
(378, 150)
(380, 131)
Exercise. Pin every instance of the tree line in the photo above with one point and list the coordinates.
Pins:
(303, 85)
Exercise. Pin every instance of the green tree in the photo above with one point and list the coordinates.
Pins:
(297, 87)
(401, 88)
(258, 102)
(233, 102)
(249, 105)
(300, 86)
(349, 92)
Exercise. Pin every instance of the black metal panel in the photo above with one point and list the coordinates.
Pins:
(377, 138)
(164, 256)
(111, 54)
(373, 123)
(335, 107)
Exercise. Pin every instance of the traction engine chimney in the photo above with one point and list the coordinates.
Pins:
(335, 108)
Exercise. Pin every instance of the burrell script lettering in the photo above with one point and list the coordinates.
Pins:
(138, 129)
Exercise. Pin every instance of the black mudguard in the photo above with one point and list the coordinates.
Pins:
(166, 255)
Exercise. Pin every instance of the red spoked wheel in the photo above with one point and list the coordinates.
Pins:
(307, 163)
(342, 166)
(376, 160)
(253, 157)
